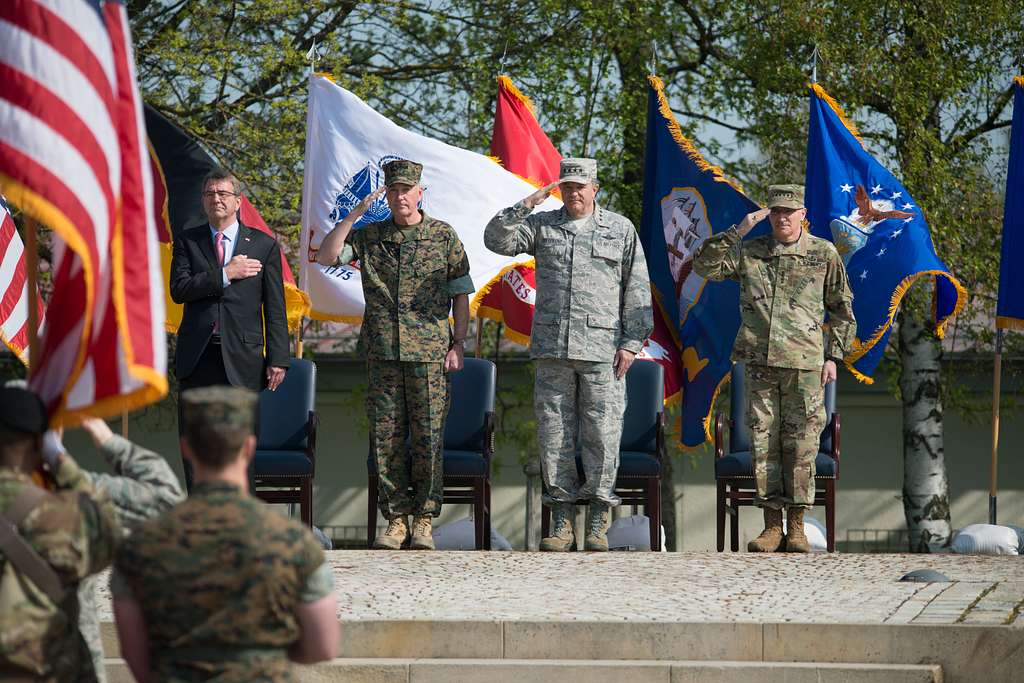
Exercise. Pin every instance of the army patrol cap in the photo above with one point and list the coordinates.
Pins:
(402, 171)
(22, 410)
(786, 196)
(577, 170)
(207, 408)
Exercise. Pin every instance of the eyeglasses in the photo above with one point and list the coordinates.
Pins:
(220, 195)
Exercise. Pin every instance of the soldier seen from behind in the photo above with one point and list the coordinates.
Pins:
(593, 313)
(221, 586)
(414, 272)
(50, 540)
(789, 280)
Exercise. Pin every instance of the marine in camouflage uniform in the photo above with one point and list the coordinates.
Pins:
(219, 577)
(143, 486)
(593, 310)
(74, 531)
(786, 288)
(412, 274)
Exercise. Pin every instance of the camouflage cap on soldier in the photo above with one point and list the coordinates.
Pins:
(22, 410)
(204, 407)
(786, 196)
(577, 170)
(402, 171)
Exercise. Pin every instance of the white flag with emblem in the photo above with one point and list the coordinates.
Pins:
(347, 143)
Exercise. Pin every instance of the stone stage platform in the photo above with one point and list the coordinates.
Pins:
(415, 616)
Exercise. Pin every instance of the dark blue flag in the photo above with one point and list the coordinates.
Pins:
(877, 227)
(1010, 309)
(685, 200)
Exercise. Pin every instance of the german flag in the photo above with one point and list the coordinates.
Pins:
(179, 166)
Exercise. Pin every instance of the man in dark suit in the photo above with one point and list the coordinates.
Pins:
(228, 277)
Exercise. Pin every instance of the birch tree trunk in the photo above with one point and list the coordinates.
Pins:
(925, 484)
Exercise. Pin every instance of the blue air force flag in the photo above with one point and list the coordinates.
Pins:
(686, 200)
(1010, 309)
(877, 227)
(347, 145)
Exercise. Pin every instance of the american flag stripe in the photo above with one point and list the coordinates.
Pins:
(72, 155)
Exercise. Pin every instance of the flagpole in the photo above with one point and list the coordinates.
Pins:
(996, 381)
(32, 278)
(479, 334)
(298, 340)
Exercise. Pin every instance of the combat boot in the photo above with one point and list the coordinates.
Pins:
(561, 537)
(771, 538)
(796, 539)
(394, 537)
(597, 527)
(422, 533)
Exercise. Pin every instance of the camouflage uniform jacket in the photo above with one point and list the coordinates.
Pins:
(593, 291)
(77, 533)
(219, 579)
(785, 291)
(410, 274)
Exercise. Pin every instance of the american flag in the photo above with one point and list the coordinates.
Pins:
(13, 287)
(73, 157)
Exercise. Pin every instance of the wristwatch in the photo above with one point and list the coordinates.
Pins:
(460, 342)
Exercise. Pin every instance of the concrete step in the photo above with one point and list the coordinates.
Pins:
(593, 671)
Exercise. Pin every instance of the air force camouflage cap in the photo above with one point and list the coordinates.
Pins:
(786, 196)
(577, 170)
(402, 171)
(205, 408)
(22, 410)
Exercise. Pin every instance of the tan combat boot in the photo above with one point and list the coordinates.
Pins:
(561, 537)
(796, 539)
(771, 537)
(597, 527)
(394, 537)
(422, 533)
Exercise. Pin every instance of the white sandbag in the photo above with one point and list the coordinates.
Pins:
(814, 531)
(1020, 537)
(632, 533)
(461, 535)
(986, 539)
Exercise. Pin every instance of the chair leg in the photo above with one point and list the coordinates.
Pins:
(830, 516)
(371, 511)
(654, 512)
(734, 528)
(479, 516)
(545, 521)
(720, 516)
(487, 514)
(306, 502)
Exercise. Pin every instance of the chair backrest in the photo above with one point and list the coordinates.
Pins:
(472, 397)
(739, 433)
(645, 401)
(284, 413)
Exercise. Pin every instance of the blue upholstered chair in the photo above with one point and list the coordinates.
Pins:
(641, 449)
(286, 447)
(468, 447)
(734, 469)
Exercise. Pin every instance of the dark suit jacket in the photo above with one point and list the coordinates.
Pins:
(251, 310)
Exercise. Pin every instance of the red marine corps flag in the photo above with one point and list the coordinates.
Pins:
(73, 157)
(522, 148)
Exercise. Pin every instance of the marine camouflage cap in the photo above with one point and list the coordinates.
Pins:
(22, 410)
(577, 170)
(205, 407)
(786, 196)
(402, 171)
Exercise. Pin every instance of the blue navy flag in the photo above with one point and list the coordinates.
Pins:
(1010, 309)
(878, 228)
(686, 200)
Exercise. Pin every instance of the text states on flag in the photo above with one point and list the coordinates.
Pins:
(347, 142)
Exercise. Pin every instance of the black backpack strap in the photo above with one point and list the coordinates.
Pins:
(19, 553)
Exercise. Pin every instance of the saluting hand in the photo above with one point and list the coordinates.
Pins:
(368, 201)
(539, 196)
(752, 219)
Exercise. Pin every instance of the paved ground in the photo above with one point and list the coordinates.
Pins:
(675, 587)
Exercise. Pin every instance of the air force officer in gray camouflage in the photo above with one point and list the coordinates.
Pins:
(593, 313)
